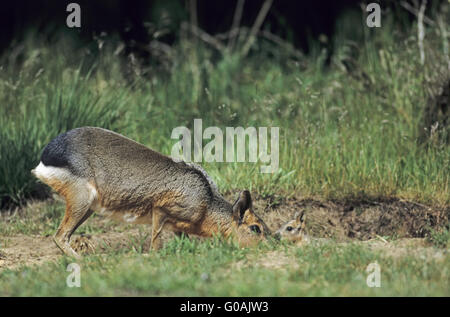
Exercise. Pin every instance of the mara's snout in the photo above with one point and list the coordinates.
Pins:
(99, 170)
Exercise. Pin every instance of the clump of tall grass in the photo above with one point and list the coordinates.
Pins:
(41, 97)
(346, 129)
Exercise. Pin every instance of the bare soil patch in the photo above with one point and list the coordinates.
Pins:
(362, 220)
(31, 250)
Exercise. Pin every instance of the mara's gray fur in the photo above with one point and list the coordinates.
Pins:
(97, 169)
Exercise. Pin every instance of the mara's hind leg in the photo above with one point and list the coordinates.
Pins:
(78, 202)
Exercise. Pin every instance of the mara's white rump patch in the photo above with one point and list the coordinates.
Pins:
(44, 172)
(63, 175)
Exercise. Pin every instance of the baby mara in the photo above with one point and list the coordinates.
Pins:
(294, 230)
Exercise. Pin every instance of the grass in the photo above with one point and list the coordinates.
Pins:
(440, 238)
(37, 104)
(212, 267)
(217, 268)
(348, 130)
(345, 131)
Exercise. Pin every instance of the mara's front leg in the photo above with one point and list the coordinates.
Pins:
(159, 218)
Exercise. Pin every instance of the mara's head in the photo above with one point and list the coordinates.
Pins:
(293, 230)
(248, 228)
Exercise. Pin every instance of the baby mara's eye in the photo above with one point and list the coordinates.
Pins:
(255, 229)
(289, 228)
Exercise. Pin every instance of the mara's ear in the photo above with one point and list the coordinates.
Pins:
(300, 216)
(243, 203)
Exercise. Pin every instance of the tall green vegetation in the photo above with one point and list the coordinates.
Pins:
(347, 129)
(40, 98)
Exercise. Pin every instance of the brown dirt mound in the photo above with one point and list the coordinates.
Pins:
(362, 220)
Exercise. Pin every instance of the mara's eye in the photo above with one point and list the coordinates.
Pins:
(289, 228)
(255, 228)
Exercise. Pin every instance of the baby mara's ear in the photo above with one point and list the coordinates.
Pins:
(300, 216)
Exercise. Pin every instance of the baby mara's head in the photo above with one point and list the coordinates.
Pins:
(294, 230)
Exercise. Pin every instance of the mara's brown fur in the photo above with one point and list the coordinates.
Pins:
(99, 170)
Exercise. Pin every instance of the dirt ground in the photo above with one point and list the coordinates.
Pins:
(31, 250)
(406, 224)
(358, 219)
